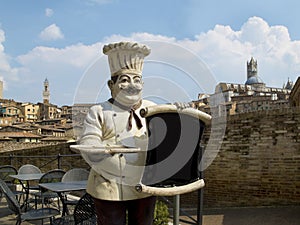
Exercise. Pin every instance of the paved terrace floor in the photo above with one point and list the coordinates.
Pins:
(230, 216)
(248, 216)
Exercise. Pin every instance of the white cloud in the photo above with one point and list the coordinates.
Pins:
(49, 12)
(255, 31)
(77, 56)
(226, 51)
(2, 36)
(62, 66)
(51, 33)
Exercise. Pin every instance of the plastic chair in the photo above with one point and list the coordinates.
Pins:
(45, 195)
(84, 213)
(31, 215)
(75, 174)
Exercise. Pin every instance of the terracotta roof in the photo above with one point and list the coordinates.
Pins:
(18, 127)
(51, 128)
(18, 135)
(65, 139)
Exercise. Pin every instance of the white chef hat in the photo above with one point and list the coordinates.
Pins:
(126, 57)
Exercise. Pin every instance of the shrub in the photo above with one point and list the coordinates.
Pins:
(161, 214)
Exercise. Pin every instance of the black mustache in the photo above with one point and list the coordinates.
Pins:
(132, 89)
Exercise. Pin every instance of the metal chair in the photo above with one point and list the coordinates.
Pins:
(75, 174)
(27, 169)
(29, 186)
(31, 215)
(5, 172)
(84, 213)
(44, 195)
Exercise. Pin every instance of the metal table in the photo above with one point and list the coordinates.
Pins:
(62, 187)
(24, 180)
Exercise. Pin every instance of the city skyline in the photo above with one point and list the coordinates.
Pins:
(61, 41)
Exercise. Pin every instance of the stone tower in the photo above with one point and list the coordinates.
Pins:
(252, 77)
(251, 68)
(46, 92)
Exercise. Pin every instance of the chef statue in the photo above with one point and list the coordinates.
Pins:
(117, 123)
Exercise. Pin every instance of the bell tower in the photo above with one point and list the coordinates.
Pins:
(46, 92)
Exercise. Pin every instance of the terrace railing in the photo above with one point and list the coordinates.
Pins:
(45, 162)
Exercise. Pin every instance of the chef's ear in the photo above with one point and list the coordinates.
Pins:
(110, 84)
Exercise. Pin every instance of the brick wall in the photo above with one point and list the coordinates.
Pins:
(258, 163)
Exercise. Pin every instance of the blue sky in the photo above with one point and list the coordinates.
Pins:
(60, 41)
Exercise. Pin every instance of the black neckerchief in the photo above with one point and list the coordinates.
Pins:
(131, 111)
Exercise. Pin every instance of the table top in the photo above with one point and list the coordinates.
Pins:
(65, 186)
(27, 176)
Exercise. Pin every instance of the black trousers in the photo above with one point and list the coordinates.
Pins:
(140, 211)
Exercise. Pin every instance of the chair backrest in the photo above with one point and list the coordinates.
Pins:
(52, 176)
(84, 212)
(7, 170)
(12, 202)
(75, 174)
(29, 168)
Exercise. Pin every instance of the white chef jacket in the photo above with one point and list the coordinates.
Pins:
(113, 177)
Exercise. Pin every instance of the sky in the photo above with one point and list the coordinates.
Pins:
(195, 44)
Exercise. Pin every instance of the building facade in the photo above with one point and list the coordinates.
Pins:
(30, 112)
(10, 112)
(295, 94)
(253, 95)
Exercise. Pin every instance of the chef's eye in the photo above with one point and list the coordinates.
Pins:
(124, 80)
(137, 79)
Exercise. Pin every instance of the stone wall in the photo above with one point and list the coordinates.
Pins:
(48, 156)
(258, 163)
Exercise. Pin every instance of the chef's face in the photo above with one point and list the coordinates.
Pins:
(126, 89)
